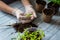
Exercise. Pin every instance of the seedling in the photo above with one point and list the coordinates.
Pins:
(55, 1)
(28, 15)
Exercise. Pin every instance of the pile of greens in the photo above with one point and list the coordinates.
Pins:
(36, 35)
(55, 1)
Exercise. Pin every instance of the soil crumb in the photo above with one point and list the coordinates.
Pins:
(20, 27)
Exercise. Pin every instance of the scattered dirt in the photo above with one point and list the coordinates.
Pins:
(20, 27)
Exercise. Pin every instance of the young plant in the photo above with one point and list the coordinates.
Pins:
(55, 1)
(28, 15)
(36, 35)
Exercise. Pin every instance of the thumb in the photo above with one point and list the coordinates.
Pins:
(34, 13)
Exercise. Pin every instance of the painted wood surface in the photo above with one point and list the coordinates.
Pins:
(52, 30)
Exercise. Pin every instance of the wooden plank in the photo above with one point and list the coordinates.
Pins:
(52, 30)
(56, 36)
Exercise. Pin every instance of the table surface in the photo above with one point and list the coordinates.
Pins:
(52, 30)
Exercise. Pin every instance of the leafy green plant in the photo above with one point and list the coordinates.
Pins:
(55, 1)
(36, 35)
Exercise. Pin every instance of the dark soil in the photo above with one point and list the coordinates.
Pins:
(53, 6)
(41, 2)
(20, 27)
(48, 11)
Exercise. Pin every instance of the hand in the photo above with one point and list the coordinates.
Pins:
(21, 16)
(30, 10)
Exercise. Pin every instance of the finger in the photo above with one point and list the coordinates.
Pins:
(22, 21)
(22, 14)
(28, 21)
(25, 21)
(34, 14)
(32, 17)
(22, 17)
(25, 18)
(19, 15)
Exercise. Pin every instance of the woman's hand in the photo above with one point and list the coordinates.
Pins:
(21, 16)
(30, 10)
(26, 17)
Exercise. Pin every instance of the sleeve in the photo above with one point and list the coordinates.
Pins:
(8, 1)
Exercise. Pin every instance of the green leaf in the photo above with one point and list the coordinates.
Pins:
(55, 1)
(28, 15)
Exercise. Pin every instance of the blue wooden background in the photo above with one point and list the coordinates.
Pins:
(52, 30)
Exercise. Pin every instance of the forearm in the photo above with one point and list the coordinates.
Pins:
(25, 2)
(5, 7)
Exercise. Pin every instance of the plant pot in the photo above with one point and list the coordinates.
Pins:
(20, 27)
(53, 6)
(40, 5)
(47, 14)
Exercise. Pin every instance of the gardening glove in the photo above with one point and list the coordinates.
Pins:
(20, 16)
(26, 18)
(30, 10)
(18, 13)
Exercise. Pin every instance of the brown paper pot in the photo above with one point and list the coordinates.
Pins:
(53, 6)
(40, 5)
(47, 14)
